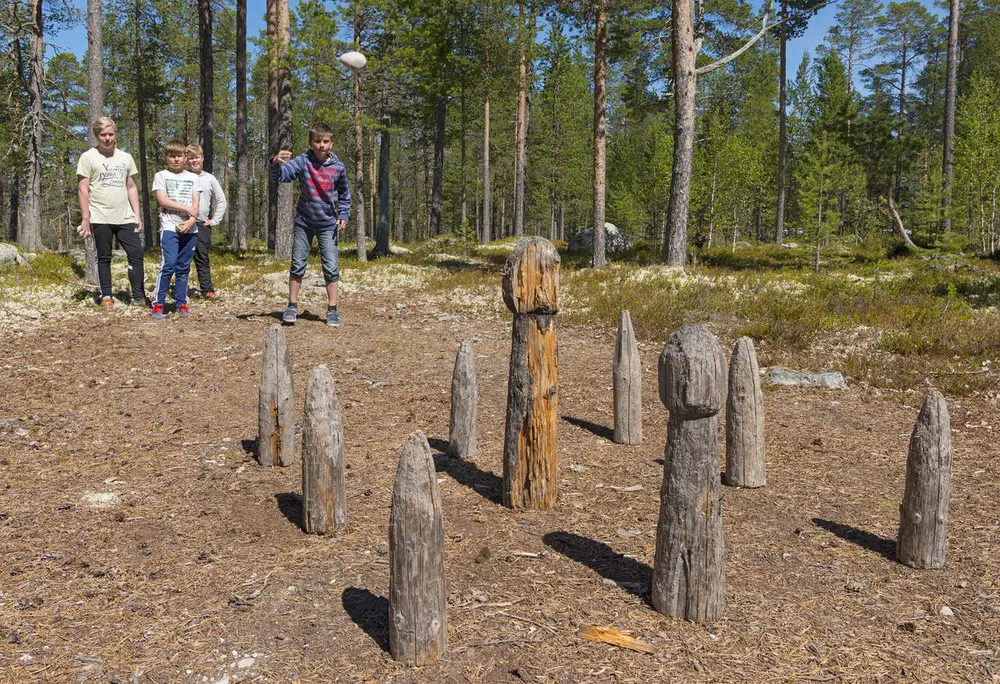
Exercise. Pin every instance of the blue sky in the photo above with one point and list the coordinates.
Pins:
(75, 40)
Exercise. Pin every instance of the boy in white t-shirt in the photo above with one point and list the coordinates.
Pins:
(178, 192)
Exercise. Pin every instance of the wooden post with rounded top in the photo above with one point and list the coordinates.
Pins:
(276, 413)
(530, 459)
(689, 566)
(418, 615)
(923, 515)
(626, 377)
(745, 419)
(464, 404)
(324, 496)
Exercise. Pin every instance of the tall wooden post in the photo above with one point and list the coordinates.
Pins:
(626, 379)
(464, 403)
(689, 566)
(418, 610)
(923, 515)
(275, 416)
(530, 458)
(324, 497)
(745, 419)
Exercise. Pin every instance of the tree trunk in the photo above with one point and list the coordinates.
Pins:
(779, 220)
(95, 109)
(206, 88)
(948, 156)
(463, 198)
(418, 599)
(682, 30)
(521, 129)
(360, 228)
(897, 222)
(31, 236)
(600, 141)
(689, 565)
(140, 89)
(239, 242)
(283, 229)
(382, 237)
(486, 234)
(439, 132)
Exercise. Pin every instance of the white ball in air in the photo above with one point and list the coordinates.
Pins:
(354, 60)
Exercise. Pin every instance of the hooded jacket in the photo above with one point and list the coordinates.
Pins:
(324, 197)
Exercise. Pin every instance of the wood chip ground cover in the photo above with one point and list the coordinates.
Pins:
(193, 566)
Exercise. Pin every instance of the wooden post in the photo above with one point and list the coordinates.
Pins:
(324, 498)
(745, 419)
(276, 413)
(627, 384)
(530, 459)
(689, 566)
(923, 515)
(418, 616)
(464, 403)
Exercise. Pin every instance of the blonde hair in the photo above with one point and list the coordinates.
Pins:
(102, 122)
(174, 148)
(194, 150)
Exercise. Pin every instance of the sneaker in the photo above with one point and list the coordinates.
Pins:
(332, 318)
(211, 295)
(145, 302)
(158, 311)
(107, 303)
(291, 313)
(182, 309)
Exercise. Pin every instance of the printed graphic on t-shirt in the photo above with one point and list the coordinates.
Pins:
(113, 175)
(179, 187)
(321, 181)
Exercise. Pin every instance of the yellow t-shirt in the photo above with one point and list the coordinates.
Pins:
(108, 195)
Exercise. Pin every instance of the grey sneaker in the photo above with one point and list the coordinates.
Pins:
(291, 313)
(332, 318)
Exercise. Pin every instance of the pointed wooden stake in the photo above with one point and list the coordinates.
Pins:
(745, 419)
(530, 458)
(627, 384)
(275, 416)
(464, 403)
(324, 497)
(418, 616)
(923, 516)
(689, 566)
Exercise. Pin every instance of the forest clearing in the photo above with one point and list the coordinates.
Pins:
(142, 541)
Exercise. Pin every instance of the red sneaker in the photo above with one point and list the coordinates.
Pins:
(211, 295)
(158, 311)
(182, 309)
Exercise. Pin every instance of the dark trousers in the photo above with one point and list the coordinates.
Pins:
(128, 239)
(201, 258)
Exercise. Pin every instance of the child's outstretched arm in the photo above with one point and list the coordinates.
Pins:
(284, 167)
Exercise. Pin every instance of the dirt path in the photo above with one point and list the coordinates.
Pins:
(192, 567)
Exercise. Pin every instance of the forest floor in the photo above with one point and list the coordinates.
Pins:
(141, 542)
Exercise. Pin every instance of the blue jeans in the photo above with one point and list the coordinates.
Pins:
(177, 249)
(302, 238)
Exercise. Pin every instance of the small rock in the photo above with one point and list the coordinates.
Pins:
(245, 663)
(577, 468)
(400, 307)
(101, 500)
(947, 612)
(783, 376)
(383, 548)
(26, 659)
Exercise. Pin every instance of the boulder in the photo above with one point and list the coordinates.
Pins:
(615, 241)
(783, 376)
(9, 256)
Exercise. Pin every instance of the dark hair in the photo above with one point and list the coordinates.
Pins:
(319, 130)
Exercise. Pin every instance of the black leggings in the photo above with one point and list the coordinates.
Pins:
(201, 258)
(128, 239)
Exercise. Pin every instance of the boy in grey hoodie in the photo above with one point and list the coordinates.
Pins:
(323, 209)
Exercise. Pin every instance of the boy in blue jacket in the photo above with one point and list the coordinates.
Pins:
(322, 211)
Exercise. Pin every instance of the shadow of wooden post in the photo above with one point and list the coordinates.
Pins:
(923, 515)
(689, 566)
(276, 412)
(324, 497)
(418, 609)
(530, 458)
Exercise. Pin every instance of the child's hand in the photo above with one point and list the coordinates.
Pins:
(282, 157)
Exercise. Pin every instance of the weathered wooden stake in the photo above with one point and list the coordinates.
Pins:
(324, 498)
(276, 413)
(530, 458)
(923, 515)
(627, 384)
(464, 404)
(418, 617)
(689, 566)
(745, 419)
